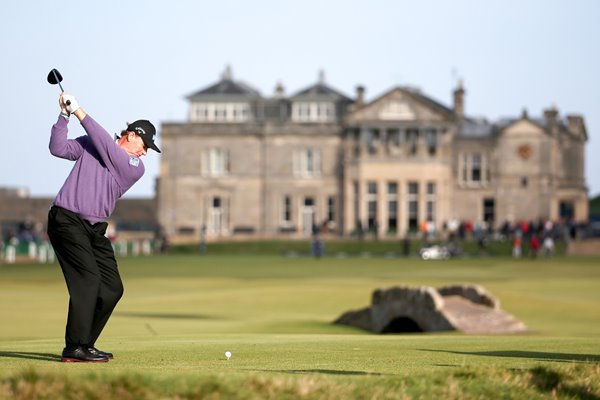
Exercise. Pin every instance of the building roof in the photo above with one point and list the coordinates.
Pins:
(320, 91)
(426, 99)
(226, 87)
(417, 96)
(475, 128)
(481, 127)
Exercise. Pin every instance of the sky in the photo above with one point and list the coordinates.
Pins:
(129, 60)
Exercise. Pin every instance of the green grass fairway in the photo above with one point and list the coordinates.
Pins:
(181, 313)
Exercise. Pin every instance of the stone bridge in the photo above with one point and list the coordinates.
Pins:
(466, 308)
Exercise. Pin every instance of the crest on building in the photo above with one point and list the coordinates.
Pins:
(524, 151)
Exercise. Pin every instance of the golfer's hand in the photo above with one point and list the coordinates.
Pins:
(61, 103)
(70, 103)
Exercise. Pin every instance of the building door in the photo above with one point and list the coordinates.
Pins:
(215, 217)
(307, 215)
(566, 210)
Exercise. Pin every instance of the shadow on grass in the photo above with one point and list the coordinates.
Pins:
(537, 355)
(321, 371)
(30, 356)
(164, 315)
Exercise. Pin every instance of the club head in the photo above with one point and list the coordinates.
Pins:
(54, 77)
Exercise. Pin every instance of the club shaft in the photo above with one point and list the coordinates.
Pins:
(59, 85)
(57, 80)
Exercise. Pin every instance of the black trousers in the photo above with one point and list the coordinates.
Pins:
(90, 269)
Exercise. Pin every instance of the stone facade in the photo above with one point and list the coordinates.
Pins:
(247, 165)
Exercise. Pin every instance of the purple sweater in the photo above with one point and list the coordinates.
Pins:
(102, 173)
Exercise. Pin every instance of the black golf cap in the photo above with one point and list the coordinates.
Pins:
(146, 131)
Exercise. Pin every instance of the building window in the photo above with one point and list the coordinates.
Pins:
(215, 162)
(476, 167)
(301, 111)
(313, 112)
(199, 112)
(371, 205)
(220, 112)
(331, 209)
(524, 182)
(412, 135)
(394, 137)
(413, 206)
(286, 210)
(431, 136)
(307, 162)
(373, 140)
(489, 210)
(392, 201)
(473, 169)
(431, 200)
(240, 112)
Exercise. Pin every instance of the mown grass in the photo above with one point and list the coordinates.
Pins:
(181, 313)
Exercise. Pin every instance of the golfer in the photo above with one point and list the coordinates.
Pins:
(104, 170)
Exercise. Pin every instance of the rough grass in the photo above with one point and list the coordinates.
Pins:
(561, 382)
(181, 313)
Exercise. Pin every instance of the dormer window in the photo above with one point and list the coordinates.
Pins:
(219, 112)
(313, 112)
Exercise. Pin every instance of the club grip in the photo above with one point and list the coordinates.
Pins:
(68, 102)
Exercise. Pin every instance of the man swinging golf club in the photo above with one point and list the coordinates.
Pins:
(104, 170)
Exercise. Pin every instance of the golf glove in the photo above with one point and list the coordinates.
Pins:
(70, 103)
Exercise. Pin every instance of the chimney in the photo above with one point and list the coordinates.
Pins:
(459, 100)
(226, 75)
(321, 77)
(279, 90)
(576, 126)
(551, 117)
(360, 97)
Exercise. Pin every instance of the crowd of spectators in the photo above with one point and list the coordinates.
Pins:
(23, 233)
(536, 235)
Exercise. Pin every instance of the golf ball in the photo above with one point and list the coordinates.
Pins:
(228, 354)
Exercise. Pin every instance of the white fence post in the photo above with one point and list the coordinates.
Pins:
(123, 248)
(135, 248)
(43, 254)
(146, 248)
(11, 254)
(31, 249)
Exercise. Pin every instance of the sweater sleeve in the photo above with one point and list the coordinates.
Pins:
(114, 157)
(62, 147)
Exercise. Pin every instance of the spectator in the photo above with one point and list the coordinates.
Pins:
(406, 245)
(534, 246)
(516, 251)
(548, 245)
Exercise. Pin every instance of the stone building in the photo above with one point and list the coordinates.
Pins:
(247, 165)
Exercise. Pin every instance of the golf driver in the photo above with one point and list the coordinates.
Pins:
(54, 77)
